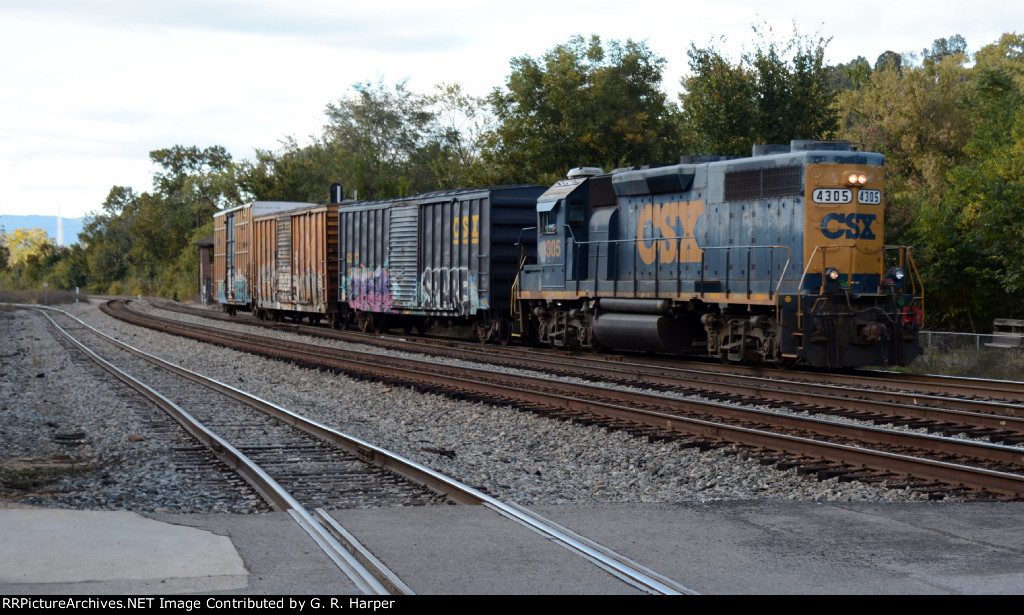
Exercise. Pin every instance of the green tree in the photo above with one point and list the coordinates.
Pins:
(941, 48)
(581, 104)
(379, 142)
(850, 76)
(973, 233)
(293, 173)
(889, 60)
(133, 243)
(918, 117)
(776, 93)
(374, 139)
(108, 238)
(461, 121)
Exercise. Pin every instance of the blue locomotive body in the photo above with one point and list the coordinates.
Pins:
(774, 258)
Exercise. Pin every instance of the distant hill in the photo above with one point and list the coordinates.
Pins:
(72, 226)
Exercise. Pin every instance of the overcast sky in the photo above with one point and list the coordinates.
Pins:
(89, 87)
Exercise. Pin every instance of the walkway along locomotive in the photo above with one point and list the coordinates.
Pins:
(774, 258)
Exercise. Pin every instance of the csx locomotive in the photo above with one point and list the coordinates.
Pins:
(777, 258)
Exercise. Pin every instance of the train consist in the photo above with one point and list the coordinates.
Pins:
(777, 258)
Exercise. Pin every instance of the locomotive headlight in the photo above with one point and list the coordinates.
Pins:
(832, 284)
(895, 278)
(857, 179)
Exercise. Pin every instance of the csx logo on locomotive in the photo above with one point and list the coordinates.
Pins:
(672, 221)
(852, 226)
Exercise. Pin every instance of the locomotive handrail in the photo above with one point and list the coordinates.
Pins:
(519, 240)
(904, 260)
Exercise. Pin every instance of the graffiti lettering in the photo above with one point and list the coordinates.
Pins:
(368, 289)
(450, 288)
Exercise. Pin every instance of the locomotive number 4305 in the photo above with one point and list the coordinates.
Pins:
(841, 196)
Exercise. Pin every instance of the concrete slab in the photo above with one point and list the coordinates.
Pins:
(473, 550)
(753, 547)
(778, 547)
(108, 552)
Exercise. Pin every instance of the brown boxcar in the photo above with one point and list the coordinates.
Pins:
(233, 270)
(296, 264)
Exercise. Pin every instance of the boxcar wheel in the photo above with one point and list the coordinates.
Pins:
(503, 332)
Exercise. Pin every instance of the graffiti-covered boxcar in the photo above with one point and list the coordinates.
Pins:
(296, 256)
(443, 255)
(233, 265)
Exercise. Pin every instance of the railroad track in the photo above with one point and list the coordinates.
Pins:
(944, 405)
(304, 467)
(936, 464)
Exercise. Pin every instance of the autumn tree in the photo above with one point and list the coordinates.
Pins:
(5, 254)
(25, 255)
(972, 234)
(918, 117)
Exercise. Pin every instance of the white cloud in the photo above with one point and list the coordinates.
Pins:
(89, 87)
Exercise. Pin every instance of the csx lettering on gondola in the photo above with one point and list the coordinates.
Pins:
(850, 226)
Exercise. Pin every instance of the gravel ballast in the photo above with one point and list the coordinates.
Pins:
(64, 418)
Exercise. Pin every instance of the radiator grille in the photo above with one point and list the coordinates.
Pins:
(756, 184)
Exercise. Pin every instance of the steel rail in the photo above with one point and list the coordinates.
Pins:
(364, 579)
(376, 367)
(618, 565)
(921, 384)
(476, 380)
(1000, 415)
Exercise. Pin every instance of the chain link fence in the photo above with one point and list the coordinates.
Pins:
(990, 356)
